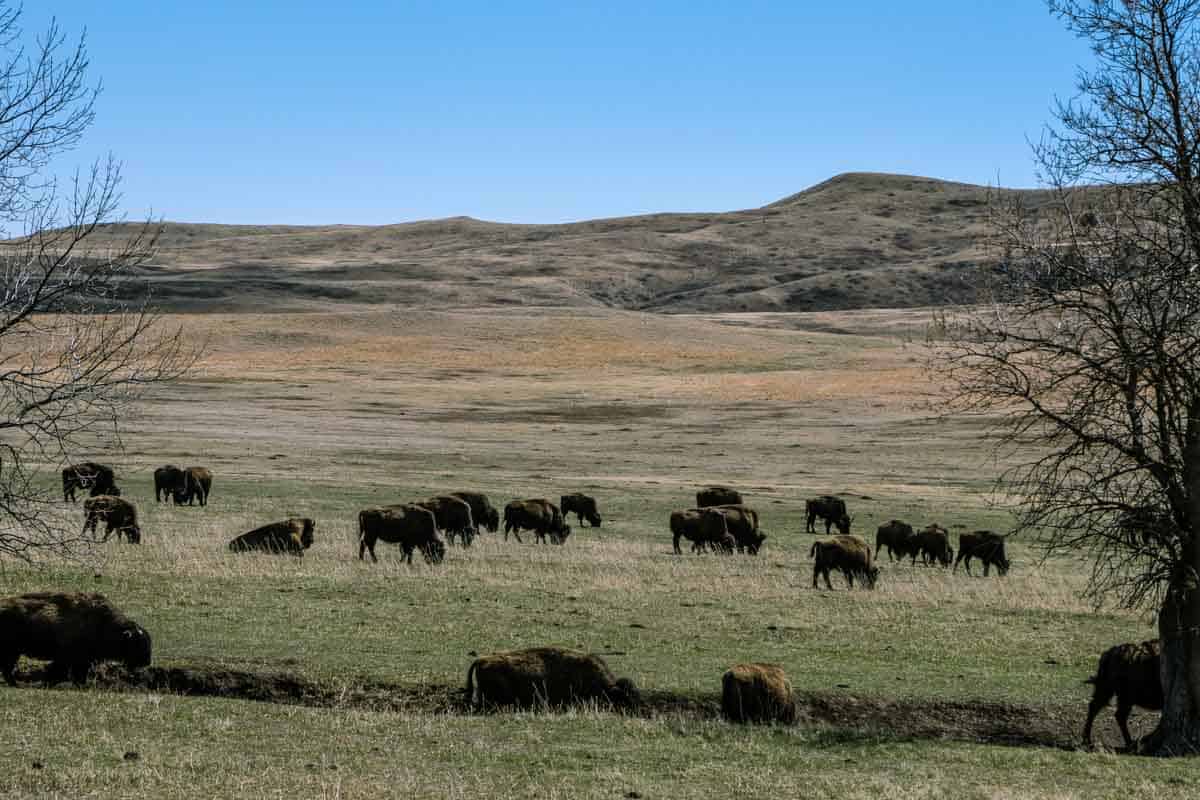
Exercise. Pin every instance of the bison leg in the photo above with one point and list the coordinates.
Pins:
(1123, 709)
(1100, 698)
(987, 565)
(8, 666)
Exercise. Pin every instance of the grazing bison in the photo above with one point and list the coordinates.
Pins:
(118, 515)
(540, 516)
(830, 509)
(98, 478)
(718, 496)
(757, 693)
(850, 555)
(195, 484)
(293, 535)
(898, 538)
(453, 517)
(1129, 671)
(412, 527)
(742, 522)
(546, 676)
(71, 631)
(703, 527)
(167, 479)
(482, 510)
(988, 547)
(583, 507)
(934, 546)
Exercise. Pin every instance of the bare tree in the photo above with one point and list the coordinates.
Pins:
(78, 342)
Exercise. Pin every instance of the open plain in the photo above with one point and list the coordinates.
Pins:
(330, 677)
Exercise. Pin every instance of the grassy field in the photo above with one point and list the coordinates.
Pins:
(935, 684)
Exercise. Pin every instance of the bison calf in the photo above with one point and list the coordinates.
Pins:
(850, 555)
(540, 516)
(703, 527)
(118, 515)
(546, 676)
(411, 526)
(71, 631)
(294, 536)
(582, 506)
(934, 546)
(757, 693)
(195, 483)
(97, 478)
(167, 479)
(1129, 671)
(482, 510)
(830, 509)
(898, 538)
(988, 547)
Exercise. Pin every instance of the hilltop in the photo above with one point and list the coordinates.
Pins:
(859, 240)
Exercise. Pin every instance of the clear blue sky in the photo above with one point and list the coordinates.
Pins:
(367, 111)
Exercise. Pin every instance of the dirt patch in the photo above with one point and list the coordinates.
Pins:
(870, 717)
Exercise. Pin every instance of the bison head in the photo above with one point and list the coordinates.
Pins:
(1002, 565)
(491, 520)
(872, 577)
(843, 524)
(560, 536)
(434, 551)
(593, 518)
(625, 694)
(133, 646)
(306, 535)
(133, 534)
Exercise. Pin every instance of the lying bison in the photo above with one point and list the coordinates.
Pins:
(71, 631)
(453, 517)
(117, 514)
(194, 484)
(898, 538)
(718, 496)
(830, 509)
(546, 676)
(933, 543)
(412, 527)
(1129, 671)
(703, 527)
(757, 693)
(97, 478)
(167, 479)
(583, 507)
(482, 510)
(293, 535)
(988, 547)
(850, 555)
(742, 522)
(540, 516)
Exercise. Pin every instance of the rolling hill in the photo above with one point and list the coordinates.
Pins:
(858, 240)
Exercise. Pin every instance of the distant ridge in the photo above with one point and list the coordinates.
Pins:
(857, 240)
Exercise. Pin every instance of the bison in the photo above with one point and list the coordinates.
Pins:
(703, 527)
(546, 676)
(1129, 671)
(167, 479)
(718, 496)
(71, 631)
(195, 484)
(898, 538)
(98, 478)
(582, 506)
(830, 509)
(742, 522)
(757, 693)
(482, 510)
(850, 555)
(934, 546)
(412, 527)
(540, 516)
(293, 535)
(988, 547)
(119, 515)
(453, 517)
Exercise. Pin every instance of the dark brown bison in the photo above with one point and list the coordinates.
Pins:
(453, 517)
(988, 547)
(757, 693)
(546, 676)
(196, 484)
(482, 510)
(71, 631)
(1129, 671)
(703, 527)
(411, 526)
(830, 509)
(293, 535)
(97, 478)
(583, 507)
(934, 546)
(850, 555)
(167, 479)
(118, 515)
(540, 516)
(718, 496)
(742, 522)
(898, 538)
